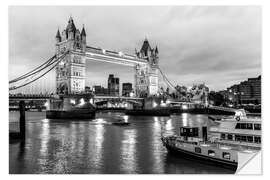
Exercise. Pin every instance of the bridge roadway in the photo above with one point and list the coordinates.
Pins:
(30, 97)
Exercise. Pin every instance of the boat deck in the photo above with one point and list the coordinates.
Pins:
(219, 145)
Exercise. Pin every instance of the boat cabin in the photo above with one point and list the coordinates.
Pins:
(245, 132)
(189, 131)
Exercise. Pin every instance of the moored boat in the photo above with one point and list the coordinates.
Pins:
(216, 148)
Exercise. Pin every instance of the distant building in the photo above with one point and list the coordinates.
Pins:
(247, 92)
(113, 85)
(87, 89)
(99, 90)
(126, 89)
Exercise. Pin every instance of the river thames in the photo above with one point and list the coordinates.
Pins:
(98, 147)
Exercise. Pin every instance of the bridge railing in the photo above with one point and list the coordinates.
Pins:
(113, 53)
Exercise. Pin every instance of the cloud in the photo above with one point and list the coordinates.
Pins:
(218, 45)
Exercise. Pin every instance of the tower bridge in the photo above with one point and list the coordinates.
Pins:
(69, 64)
(70, 73)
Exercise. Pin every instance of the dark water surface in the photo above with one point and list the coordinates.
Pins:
(97, 147)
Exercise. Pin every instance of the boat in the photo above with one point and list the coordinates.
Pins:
(240, 131)
(121, 122)
(227, 147)
(76, 106)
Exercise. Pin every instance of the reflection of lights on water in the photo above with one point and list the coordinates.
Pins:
(125, 118)
(156, 124)
(100, 120)
(155, 143)
(168, 125)
(99, 138)
(185, 119)
(128, 150)
(44, 137)
(45, 120)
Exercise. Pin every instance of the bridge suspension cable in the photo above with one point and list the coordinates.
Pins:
(34, 71)
(52, 63)
(167, 81)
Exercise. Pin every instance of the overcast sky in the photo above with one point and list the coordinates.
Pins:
(219, 46)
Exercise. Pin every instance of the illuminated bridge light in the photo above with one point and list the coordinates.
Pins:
(72, 101)
(184, 107)
(82, 102)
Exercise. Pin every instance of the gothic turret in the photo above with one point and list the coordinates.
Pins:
(146, 48)
(83, 38)
(156, 50)
(83, 34)
(70, 29)
(58, 36)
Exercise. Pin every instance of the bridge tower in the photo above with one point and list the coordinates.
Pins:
(146, 76)
(70, 72)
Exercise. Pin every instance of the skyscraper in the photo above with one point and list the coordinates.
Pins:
(113, 85)
(126, 89)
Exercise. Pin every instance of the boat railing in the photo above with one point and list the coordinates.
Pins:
(239, 143)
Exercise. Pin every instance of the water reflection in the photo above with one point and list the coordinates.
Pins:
(54, 146)
(43, 161)
(128, 151)
(156, 145)
(99, 138)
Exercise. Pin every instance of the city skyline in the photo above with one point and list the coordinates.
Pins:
(195, 43)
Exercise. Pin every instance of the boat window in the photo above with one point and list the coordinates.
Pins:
(195, 132)
(237, 126)
(211, 153)
(230, 137)
(223, 136)
(243, 138)
(198, 150)
(257, 139)
(243, 126)
(250, 138)
(249, 126)
(226, 155)
(257, 126)
(237, 138)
